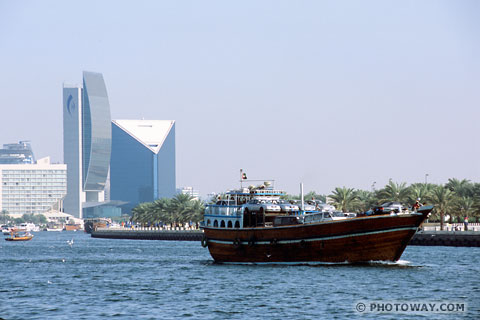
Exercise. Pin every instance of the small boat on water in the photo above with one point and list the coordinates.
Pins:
(30, 227)
(19, 235)
(72, 227)
(6, 229)
(248, 226)
(91, 224)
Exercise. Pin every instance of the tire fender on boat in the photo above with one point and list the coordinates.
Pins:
(251, 242)
(303, 244)
(237, 243)
(274, 242)
(204, 241)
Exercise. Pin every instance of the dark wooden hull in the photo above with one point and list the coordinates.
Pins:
(361, 239)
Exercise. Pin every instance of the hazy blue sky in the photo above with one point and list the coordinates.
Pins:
(328, 93)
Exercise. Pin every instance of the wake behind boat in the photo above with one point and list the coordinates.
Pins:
(251, 225)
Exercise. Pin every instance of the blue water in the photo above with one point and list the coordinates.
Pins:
(46, 278)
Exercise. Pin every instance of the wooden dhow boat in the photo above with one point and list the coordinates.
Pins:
(246, 227)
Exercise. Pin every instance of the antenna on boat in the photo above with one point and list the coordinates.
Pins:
(301, 196)
(241, 178)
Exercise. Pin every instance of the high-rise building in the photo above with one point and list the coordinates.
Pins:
(32, 188)
(17, 153)
(142, 167)
(86, 143)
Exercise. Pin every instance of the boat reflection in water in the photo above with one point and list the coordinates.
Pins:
(246, 226)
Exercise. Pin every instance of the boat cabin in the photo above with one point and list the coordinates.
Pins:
(259, 207)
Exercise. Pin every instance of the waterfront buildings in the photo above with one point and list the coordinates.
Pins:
(86, 144)
(32, 188)
(17, 153)
(131, 161)
(142, 166)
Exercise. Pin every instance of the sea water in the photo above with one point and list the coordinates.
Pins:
(69, 275)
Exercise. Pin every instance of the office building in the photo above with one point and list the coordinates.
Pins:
(142, 166)
(86, 143)
(32, 188)
(17, 153)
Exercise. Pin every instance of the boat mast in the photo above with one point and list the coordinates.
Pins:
(301, 196)
(241, 178)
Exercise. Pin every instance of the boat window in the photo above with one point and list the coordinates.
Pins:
(229, 224)
(208, 222)
(222, 224)
(237, 224)
(215, 223)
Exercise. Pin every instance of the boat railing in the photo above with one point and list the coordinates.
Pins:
(223, 210)
(267, 192)
(316, 217)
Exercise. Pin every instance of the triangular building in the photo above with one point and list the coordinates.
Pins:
(142, 167)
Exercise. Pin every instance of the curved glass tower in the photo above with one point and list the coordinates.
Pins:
(97, 132)
(87, 140)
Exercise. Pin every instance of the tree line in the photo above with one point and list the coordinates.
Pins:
(456, 198)
(176, 211)
(38, 219)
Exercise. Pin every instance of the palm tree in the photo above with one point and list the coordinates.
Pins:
(343, 198)
(463, 188)
(420, 191)
(4, 213)
(365, 200)
(394, 192)
(464, 207)
(161, 209)
(442, 198)
(183, 208)
(312, 195)
(196, 213)
(141, 212)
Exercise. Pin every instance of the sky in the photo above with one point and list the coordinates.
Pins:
(327, 93)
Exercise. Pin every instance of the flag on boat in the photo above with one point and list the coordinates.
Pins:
(243, 175)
